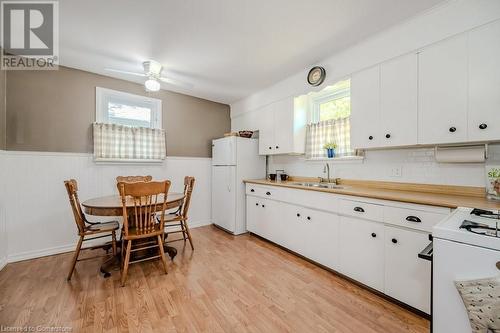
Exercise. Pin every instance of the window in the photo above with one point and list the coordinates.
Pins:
(333, 102)
(116, 107)
(329, 121)
(128, 128)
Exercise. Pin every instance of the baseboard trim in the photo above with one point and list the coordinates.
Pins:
(69, 248)
(3, 263)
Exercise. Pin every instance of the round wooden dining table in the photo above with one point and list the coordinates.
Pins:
(111, 205)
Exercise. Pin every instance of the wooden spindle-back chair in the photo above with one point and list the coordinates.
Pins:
(180, 217)
(132, 179)
(141, 221)
(86, 229)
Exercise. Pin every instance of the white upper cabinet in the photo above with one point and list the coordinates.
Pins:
(398, 101)
(442, 88)
(281, 128)
(384, 104)
(484, 83)
(365, 108)
(265, 125)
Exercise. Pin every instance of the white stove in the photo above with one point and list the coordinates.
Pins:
(466, 246)
(471, 226)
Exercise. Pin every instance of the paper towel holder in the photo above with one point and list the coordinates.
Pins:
(463, 146)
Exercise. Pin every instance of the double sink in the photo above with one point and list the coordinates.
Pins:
(319, 185)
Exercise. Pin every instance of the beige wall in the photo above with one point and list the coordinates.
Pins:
(54, 110)
(2, 110)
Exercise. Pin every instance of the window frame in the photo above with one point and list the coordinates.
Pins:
(103, 95)
(316, 101)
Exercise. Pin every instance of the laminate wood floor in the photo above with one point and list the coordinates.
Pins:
(228, 284)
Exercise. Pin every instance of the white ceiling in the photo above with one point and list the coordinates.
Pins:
(227, 49)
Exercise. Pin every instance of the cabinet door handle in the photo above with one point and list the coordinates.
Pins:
(394, 240)
(483, 126)
(453, 129)
(298, 215)
(370, 137)
(413, 219)
(252, 190)
(359, 209)
(387, 136)
(374, 235)
(309, 218)
(268, 193)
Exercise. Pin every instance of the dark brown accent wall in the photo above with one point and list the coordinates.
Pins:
(54, 111)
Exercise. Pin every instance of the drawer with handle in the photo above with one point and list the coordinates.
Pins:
(269, 192)
(361, 209)
(411, 218)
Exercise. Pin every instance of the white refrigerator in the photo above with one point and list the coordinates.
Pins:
(234, 159)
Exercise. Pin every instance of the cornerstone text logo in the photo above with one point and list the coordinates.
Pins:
(29, 35)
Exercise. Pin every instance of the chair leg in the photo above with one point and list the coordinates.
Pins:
(75, 257)
(126, 262)
(122, 251)
(162, 254)
(184, 223)
(113, 241)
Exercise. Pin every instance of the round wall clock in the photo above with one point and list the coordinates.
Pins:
(316, 76)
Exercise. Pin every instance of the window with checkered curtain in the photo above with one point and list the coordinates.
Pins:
(330, 111)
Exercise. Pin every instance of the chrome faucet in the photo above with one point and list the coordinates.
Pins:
(326, 169)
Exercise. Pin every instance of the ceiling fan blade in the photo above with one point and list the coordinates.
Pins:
(124, 72)
(176, 82)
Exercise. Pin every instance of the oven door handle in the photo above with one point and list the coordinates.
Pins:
(426, 253)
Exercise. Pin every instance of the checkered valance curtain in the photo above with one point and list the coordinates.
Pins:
(334, 130)
(124, 142)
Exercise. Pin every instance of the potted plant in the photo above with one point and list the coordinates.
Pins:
(330, 149)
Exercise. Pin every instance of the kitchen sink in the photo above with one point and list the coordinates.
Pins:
(319, 185)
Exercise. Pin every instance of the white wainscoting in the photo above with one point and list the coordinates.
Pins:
(35, 216)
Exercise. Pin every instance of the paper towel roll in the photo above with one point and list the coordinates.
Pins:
(469, 154)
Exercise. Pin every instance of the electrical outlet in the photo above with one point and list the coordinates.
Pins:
(397, 172)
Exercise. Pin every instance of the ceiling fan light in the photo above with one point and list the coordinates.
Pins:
(152, 85)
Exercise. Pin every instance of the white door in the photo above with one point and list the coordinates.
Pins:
(322, 237)
(362, 251)
(398, 101)
(266, 130)
(224, 151)
(407, 277)
(283, 126)
(442, 89)
(365, 108)
(224, 197)
(484, 83)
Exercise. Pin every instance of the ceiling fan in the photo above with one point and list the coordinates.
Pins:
(152, 71)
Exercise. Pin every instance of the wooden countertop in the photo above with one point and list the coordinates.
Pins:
(425, 194)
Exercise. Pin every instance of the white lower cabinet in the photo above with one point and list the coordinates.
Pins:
(362, 251)
(370, 241)
(407, 277)
(311, 233)
(262, 218)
